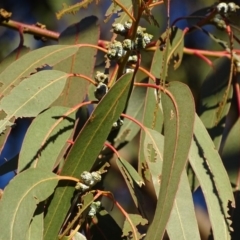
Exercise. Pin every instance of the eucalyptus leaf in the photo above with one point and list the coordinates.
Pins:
(44, 154)
(133, 181)
(152, 119)
(136, 220)
(231, 154)
(32, 95)
(85, 150)
(183, 223)
(213, 179)
(35, 230)
(82, 62)
(212, 94)
(178, 110)
(24, 192)
(183, 214)
(28, 64)
(135, 109)
(13, 56)
(115, 8)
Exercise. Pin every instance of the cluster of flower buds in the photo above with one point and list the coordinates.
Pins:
(122, 29)
(117, 50)
(118, 123)
(141, 41)
(219, 22)
(143, 38)
(132, 59)
(101, 88)
(88, 180)
(94, 208)
(225, 8)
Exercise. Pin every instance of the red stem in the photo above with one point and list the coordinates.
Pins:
(30, 29)
(112, 148)
(237, 90)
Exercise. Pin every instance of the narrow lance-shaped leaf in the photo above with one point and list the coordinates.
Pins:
(183, 214)
(231, 154)
(32, 95)
(35, 230)
(24, 192)
(33, 154)
(86, 149)
(137, 221)
(82, 62)
(72, 9)
(13, 56)
(212, 93)
(182, 223)
(152, 115)
(178, 109)
(115, 8)
(133, 181)
(28, 64)
(135, 109)
(172, 43)
(213, 180)
(153, 152)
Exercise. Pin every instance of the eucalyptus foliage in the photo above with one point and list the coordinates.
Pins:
(94, 99)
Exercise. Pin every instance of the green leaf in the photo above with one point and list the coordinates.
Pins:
(122, 163)
(32, 95)
(86, 149)
(20, 200)
(182, 215)
(152, 118)
(213, 180)
(136, 220)
(133, 181)
(35, 230)
(175, 51)
(13, 56)
(182, 222)
(212, 93)
(28, 64)
(172, 42)
(135, 109)
(72, 9)
(33, 153)
(122, 16)
(86, 200)
(153, 153)
(82, 62)
(178, 110)
(152, 115)
(231, 154)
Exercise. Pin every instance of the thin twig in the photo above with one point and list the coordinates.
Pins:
(30, 29)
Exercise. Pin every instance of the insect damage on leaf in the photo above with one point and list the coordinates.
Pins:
(171, 43)
(138, 222)
(73, 9)
(152, 154)
(116, 8)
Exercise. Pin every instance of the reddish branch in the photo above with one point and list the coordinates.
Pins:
(45, 33)
(30, 29)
